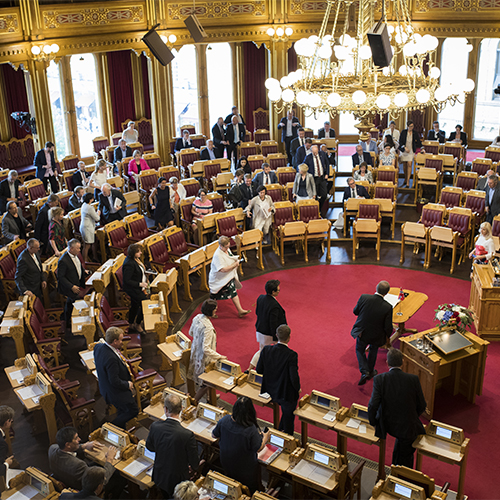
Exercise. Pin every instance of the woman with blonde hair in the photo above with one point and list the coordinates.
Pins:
(99, 177)
(57, 238)
(304, 187)
(484, 248)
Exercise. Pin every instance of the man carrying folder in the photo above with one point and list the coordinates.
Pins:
(112, 204)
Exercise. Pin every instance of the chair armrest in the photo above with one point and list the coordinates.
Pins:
(83, 404)
(55, 340)
(145, 376)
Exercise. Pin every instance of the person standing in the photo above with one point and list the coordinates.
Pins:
(14, 225)
(373, 328)
(6, 459)
(175, 448)
(42, 222)
(278, 365)
(114, 377)
(57, 235)
(288, 126)
(319, 169)
(30, 277)
(219, 136)
(235, 134)
(112, 204)
(161, 203)
(492, 198)
(409, 145)
(130, 134)
(45, 164)
(234, 114)
(9, 190)
(89, 218)
(260, 208)
(395, 406)
(296, 143)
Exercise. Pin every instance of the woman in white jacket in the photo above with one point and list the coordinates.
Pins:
(89, 218)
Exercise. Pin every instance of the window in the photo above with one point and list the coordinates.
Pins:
(346, 124)
(220, 76)
(454, 64)
(185, 83)
(316, 122)
(85, 90)
(487, 108)
(57, 107)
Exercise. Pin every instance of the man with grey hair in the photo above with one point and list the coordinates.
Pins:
(80, 177)
(9, 190)
(175, 447)
(492, 198)
(483, 181)
(209, 153)
(112, 203)
(123, 150)
(30, 277)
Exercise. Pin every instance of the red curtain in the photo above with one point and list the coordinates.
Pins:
(121, 87)
(255, 77)
(15, 97)
(145, 87)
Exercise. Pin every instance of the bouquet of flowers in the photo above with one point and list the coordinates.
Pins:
(453, 314)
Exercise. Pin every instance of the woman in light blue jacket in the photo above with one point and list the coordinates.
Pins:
(304, 187)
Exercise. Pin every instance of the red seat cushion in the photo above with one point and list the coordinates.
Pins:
(177, 243)
(118, 237)
(139, 229)
(8, 267)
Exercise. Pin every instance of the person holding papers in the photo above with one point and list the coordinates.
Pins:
(261, 208)
(373, 328)
(175, 448)
(112, 204)
(240, 439)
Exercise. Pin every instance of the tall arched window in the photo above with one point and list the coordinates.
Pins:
(57, 107)
(220, 77)
(85, 91)
(346, 124)
(454, 64)
(487, 108)
(316, 122)
(185, 83)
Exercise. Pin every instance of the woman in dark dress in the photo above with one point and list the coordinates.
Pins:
(134, 285)
(162, 206)
(240, 439)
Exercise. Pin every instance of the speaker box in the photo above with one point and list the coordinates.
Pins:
(378, 38)
(195, 28)
(158, 47)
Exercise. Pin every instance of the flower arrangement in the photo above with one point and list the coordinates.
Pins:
(453, 314)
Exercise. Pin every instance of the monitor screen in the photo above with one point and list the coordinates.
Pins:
(225, 367)
(182, 343)
(444, 433)
(149, 454)
(363, 414)
(113, 438)
(223, 488)
(319, 457)
(399, 489)
(209, 414)
(37, 484)
(277, 441)
(323, 401)
(258, 379)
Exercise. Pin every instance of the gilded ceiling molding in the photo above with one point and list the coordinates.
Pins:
(213, 10)
(9, 24)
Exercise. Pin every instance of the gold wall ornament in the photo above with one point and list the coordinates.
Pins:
(9, 24)
(215, 10)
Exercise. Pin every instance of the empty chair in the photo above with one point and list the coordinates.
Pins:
(261, 135)
(476, 201)
(159, 258)
(414, 232)
(137, 228)
(176, 241)
(481, 166)
(366, 225)
(191, 185)
(308, 210)
(431, 147)
(275, 191)
(451, 197)
(247, 149)
(117, 237)
(286, 175)
(466, 180)
(255, 162)
(268, 147)
(276, 160)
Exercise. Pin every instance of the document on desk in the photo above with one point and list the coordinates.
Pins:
(80, 319)
(10, 322)
(265, 395)
(313, 472)
(330, 416)
(178, 353)
(80, 304)
(19, 374)
(30, 391)
(198, 426)
(87, 356)
(392, 298)
(138, 466)
(12, 473)
(24, 493)
(362, 429)
(229, 381)
(353, 423)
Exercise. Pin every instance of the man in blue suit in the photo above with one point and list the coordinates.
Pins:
(319, 168)
(302, 152)
(267, 176)
(45, 164)
(289, 126)
(115, 380)
(360, 156)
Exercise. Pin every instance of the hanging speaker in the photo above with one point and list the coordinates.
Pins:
(378, 38)
(195, 28)
(157, 46)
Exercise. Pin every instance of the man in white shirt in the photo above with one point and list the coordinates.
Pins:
(288, 126)
(183, 142)
(235, 133)
(30, 277)
(296, 144)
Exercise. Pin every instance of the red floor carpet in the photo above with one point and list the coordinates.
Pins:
(319, 301)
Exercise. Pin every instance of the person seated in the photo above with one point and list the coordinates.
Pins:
(436, 134)
(387, 157)
(484, 248)
(354, 190)
(304, 187)
(81, 177)
(187, 490)
(177, 194)
(112, 204)
(388, 139)
(92, 485)
(238, 178)
(363, 174)
(130, 134)
(136, 165)
(267, 176)
(260, 208)
(202, 206)
(14, 225)
(243, 164)
(42, 222)
(183, 142)
(391, 131)
(76, 199)
(6, 459)
(361, 156)
(496, 142)
(9, 190)
(209, 153)
(458, 136)
(326, 132)
(123, 150)
(369, 145)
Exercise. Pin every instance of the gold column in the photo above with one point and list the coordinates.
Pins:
(5, 132)
(239, 77)
(137, 84)
(68, 105)
(108, 128)
(30, 19)
(203, 110)
(162, 104)
(472, 72)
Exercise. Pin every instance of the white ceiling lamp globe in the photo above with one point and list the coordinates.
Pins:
(400, 99)
(435, 72)
(390, 29)
(292, 78)
(314, 100)
(35, 50)
(164, 39)
(341, 52)
(423, 96)
(299, 47)
(433, 42)
(289, 31)
(172, 38)
(271, 83)
(47, 49)
(440, 94)
(468, 85)
(383, 101)
(288, 95)
(54, 48)
(386, 71)
(309, 48)
(299, 74)
(270, 31)
(333, 99)
(274, 94)
(325, 52)
(365, 52)
(359, 97)
(284, 82)
(302, 97)
(410, 49)
(468, 47)
(280, 31)
(403, 70)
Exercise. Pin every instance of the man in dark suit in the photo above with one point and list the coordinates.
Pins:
(319, 168)
(269, 313)
(183, 142)
(219, 137)
(209, 153)
(296, 144)
(115, 380)
(80, 177)
(247, 191)
(373, 328)
(354, 190)
(289, 126)
(482, 182)
(9, 190)
(45, 164)
(326, 132)
(235, 133)
(458, 134)
(92, 485)
(76, 199)
(303, 152)
(435, 134)
(112, 203)
(6, 419)
(67, 458)
(42, 222)
(30, 277)
(360, 156)
(71, 277)
(234, 112)
(492, 198)
(175, 447)
(267, 176)
(395, 406)
(122, 151)
(279, 367)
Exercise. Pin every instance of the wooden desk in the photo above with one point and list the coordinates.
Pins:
(156, 412)
(299, 475)
(461, 372)
(143, 479)
(203, 435)
(312, 414)
(485, 301)
(87, 358)
(217, 381)
(404, 310)
(13, 309)
(84, 325)
(14, 327)
(16, 382)
(173, 354)
(99, 457)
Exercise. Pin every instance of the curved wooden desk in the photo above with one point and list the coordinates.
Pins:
(404, 310)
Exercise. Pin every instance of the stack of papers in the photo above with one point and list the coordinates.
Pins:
(265, 395)
(330, 416)
(24, 493)
(177, 354)
(19, 375)
(392, 298)
(313, 472)
(80, 304)
(229, 381)
(87, 356)
(30, 391)
(198, 426)
(353, 423)
(138, 466)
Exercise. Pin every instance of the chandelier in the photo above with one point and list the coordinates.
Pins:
(336, 72)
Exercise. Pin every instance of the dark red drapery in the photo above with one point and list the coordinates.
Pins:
(15, 97)
(121, 87)
(145, 87)
(255, 77)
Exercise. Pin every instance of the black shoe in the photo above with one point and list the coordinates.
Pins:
(372, 374)
(363, 379)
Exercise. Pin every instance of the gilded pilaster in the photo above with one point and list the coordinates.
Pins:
(30, 19)
(203, 110)
(239, 76)
(105, 102)
(137, 85)
(5, 132)
(472, 72)
(68, 105)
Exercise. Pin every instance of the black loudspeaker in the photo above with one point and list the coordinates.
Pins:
(157, 46)
(378, 38)
(195, 28)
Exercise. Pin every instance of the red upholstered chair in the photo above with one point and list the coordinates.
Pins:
(226, 226)
(455, 149)
(64, 197)
(186, 157)
(476, 201)
(117, 316)
(289, 191)
(145, 129)
(186, 216)
(48, 348)
(385, 190)
(117, 237)
(217, 202)
(308, 210)
(492, 153)
(432, 215)
(7, 274)
(50, 319)
(148, 180)
(153, 160)
(137, 228)
(70, 162)
(115, 138)
(132, 345)
(260, 119)
(387, 174)
(431, 147)
(198, 140)
(192, 186)
(436, 163)
(57, 373)
(110, 153)
(176, 241)
(4, 157)
(247, 149)
(169, 172)
(100, 143)
(269, 147)
(75, 218)
(495, 227)
(286, 175)
(255, 162)
(29, 149)
(159, 258)
(368, 210)
(276, 160)
(34, 189)
(451, 197)
(210, 169)
(17, 158)
(189, 128)
(261, 135)
(67, 179)
(309, 132)
(16, 247)
(284, 212)
(466, 180)
(481, 166)
(275, 191)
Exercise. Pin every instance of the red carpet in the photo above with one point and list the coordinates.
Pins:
(319, 301)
